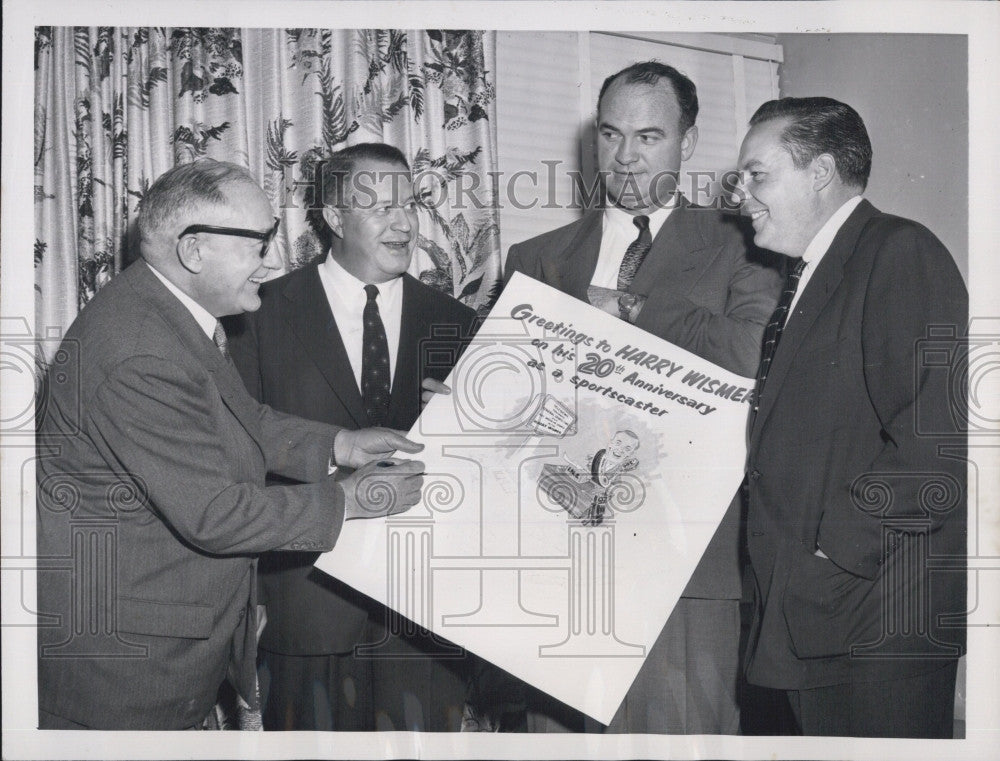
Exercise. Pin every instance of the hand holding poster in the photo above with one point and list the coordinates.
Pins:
(575, 476)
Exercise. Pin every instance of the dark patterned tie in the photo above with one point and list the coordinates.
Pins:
(219, 336)
(635, 253)
(375, 380)
(772, 333)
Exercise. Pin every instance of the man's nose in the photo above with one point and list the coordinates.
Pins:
(400, 219)
(272, 260)
(626, 153)
(738, 189)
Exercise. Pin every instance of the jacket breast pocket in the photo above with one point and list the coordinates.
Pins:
(164, 619)
(703, 284)
(840, 354)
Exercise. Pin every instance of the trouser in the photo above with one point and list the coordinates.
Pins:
(687, 684)
(48, 720)
(921, 706)
(410, 684)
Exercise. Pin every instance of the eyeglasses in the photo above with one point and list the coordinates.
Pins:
(264, 238)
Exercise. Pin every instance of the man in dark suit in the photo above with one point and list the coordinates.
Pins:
(152, 505)
(856, 465)
(307, 352)
(683, 273)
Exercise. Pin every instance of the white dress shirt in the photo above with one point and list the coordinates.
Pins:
(819, 245)
(347, 298)
(618, 233)
(206, 321)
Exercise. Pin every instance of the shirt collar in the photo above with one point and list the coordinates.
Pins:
(205, 319)
(350, 288)
(820, 243)
(623, 220)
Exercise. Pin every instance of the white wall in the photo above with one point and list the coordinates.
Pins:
(912, 92)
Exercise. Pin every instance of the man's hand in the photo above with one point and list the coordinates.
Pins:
(382, 488)
(605, 299)
(610, 301)
(431, 387)
(352, 449)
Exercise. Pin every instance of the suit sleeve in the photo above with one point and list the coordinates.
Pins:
(167, 430)
(295, 447)
(520, 261)
(914, 284)
(730, 338)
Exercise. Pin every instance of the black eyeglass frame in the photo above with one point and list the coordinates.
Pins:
(265, 238)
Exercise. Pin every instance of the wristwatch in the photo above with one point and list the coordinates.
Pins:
(626, 303)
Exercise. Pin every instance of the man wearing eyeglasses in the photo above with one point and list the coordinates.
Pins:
(340, 340)
(152, 504)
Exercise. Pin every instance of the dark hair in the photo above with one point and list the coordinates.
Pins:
(822, 125)
(334, 174)
(185, 188)
(651, 72)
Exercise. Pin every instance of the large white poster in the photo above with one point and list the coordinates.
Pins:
(575, 476)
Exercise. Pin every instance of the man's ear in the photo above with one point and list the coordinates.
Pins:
(189, 254)
(688, 142)
(334, 218)
(824, 170)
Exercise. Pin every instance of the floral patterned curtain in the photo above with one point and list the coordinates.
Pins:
(117, 107)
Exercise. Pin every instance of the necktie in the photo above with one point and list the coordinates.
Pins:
(772, 333)
(635, 253)
(375, 380)
(219, 336)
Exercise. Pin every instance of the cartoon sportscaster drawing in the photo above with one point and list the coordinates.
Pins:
(583, 491)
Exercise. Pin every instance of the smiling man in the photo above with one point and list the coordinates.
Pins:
(339, 341)
(685, 274)
(152, 505)
(856, 464)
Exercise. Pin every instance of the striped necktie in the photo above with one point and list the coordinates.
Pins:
(772, 333)
(375, 379)
(635, 253)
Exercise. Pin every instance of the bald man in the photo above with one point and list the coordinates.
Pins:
(152, 505)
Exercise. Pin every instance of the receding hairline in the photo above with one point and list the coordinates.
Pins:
(184, 198)
(182, 195)
(660, 82)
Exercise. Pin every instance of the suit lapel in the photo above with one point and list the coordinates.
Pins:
(678, 254)
(573, 268)
(406, 379)
(818, 292)
(231, 389)
(314, 326)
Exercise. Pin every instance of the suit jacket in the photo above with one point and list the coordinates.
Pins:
(856, 439)
(707, 290)
(291, 356)
(152, 508)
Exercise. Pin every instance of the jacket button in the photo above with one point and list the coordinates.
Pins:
(755, 474)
